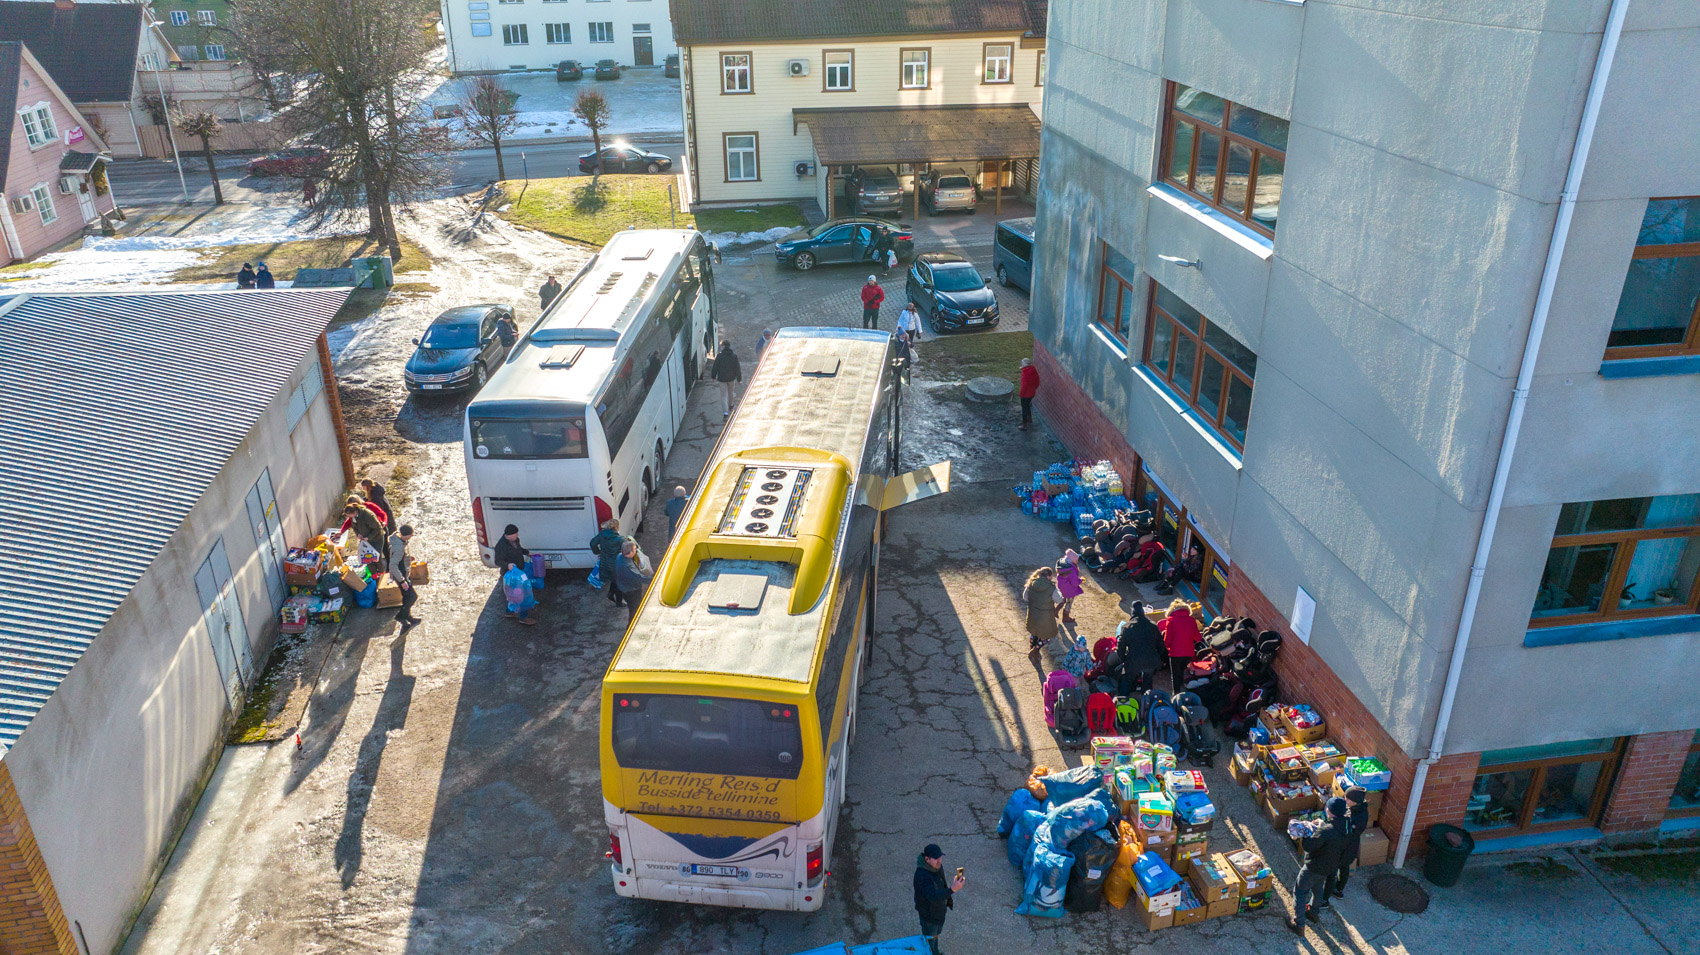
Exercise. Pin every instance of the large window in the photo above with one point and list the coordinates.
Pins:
(44, 203)
(839, 71)
(529, 440)
(714, 735)
(734, 73)
(602, 31)
(1659, 310)
(1541, 788)
(1685, 801)
(515, 34)
(1115, 293)
(179, 18)
(558, 32)
(38, 125)
(1199, 570)
(1231, 156)
(741, 158)
(915, 74)
(214, 51)
(206, 18)
(998, 56)
(1210, 369)
(1629, 557)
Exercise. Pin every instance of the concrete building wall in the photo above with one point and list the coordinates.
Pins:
(957, 70)
(132, 734)
(474, 54)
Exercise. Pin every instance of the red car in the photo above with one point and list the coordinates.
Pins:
(297, 161)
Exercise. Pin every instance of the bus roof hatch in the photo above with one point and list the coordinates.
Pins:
(561, 356)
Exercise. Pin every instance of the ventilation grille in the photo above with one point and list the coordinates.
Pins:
(766, 502)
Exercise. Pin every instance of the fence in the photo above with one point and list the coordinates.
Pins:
(233, 137)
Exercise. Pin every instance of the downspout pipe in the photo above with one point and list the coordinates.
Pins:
(1514, 420)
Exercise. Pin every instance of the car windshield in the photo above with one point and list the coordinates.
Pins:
(446, 337)
(959, 279)
(954, 182)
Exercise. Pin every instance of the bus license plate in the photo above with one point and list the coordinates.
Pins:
(726, 870)
(431, 387)
(976, 321)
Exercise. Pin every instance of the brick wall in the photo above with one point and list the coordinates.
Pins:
(1645, 781)
(1076, 420)
(1306, 679)
(31, 921)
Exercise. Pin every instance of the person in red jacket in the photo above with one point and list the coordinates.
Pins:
(1029, 388)
(872, 297)
(1180, 638)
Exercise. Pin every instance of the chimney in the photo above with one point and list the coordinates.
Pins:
(64, 5)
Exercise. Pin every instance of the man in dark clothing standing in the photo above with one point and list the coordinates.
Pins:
(1323, 853)
(872, 297)
(1357, 822)
(675, 507)
(399, 565)
(727, 371)
(549, 291)
(934, 897)
(245, 278)
(606, 546)
(1140, 644)
(510, 551)
(263, 278)
(1029, 388)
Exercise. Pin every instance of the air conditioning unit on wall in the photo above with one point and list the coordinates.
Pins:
(805, 168)
(797, 67)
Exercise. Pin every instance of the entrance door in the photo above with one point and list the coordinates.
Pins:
(85, 198)
(643, 51)
(268, 534)
(223, 616)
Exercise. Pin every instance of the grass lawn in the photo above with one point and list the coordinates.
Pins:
(283, 258)
(961, 357)
(753, 219)
(590, 209)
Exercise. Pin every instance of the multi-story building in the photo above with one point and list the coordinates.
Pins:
(486, 36)
(783, 101)
(1428, 406)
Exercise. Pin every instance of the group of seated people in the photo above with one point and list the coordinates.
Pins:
(1128, 547)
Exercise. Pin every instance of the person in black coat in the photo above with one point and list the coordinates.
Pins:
(263, 278)
(510, 551)
(727, 371)
(934, 897)
(1323, 853)
(1140, 644)
(1357, 823)
(245, 278)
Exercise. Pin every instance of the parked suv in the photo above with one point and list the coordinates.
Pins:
(873, 189)
(948, 291)
(460, 348)
(943, 189)
(1012, 252)
(568, 70)
(671, 66)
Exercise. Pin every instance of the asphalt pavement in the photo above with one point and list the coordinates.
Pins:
(145, 182)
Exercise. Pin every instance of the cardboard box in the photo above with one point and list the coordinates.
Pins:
(419, 572)
(1303, 734)
(1185, 829)
(1216, 910)
(1289, 805)
(1154, 921)
(1251, 903)
(1253, 875)
(1188, 851)
(1213, 879)
(1150, 839)
(1267, 719)
(389, 593)
(1190, 916)
(1286, 764)
(1166, 853)
(1323, 771)
(1373, 849)
(1241, 767)
(353, 579)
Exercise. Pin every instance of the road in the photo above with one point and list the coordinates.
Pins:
(153, 182)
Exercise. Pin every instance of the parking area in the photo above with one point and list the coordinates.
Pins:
(445, 797)
(642, 102)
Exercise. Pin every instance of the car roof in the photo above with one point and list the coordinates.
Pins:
(462, 313)
(1022, 226)
(943, 258)
(873, 171)
(857, 220)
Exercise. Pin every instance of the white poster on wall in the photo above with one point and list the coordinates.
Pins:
(1304, 611)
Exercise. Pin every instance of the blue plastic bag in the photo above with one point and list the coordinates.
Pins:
(595, 578)
(1020, 801)
(1021, 838)
(1073, 819)
(1047, 882)
(1071, 784)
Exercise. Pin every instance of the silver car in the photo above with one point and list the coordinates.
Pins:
(944, 189)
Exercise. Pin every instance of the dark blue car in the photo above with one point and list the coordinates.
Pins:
(840, 240)
(460, 349)
(948, 292)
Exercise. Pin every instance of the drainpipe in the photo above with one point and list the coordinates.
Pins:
(1514, 420)
(333, 400)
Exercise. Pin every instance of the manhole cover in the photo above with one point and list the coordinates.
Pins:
(1398, 893)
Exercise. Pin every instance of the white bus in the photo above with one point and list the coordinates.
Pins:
(573, 428)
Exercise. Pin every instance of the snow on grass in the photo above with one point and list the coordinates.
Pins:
(728, 239)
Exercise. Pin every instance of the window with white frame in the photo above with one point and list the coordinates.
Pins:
(179, 18)
(1040, 80)
(206, 18)
(641, 28)
(44, 202)
(557, 33)
(149, 62)
(915, 69)
(997, 62)
(515, 34)
(602, 31)
(839, 77)
(734, 73)
(213, 51)
(741, 158)
(38, 125)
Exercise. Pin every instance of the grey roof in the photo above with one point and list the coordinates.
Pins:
(11, 70)
(703, 20)
(89, 49)
(857, 136)
(74, 161)
(116, 413)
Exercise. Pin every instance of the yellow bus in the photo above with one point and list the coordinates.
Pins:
(728, 710)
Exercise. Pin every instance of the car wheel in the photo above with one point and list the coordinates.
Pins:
(654, 167)
(479, 377)
(805, 261)
(1003, 277)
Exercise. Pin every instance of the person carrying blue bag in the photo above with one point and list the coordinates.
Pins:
(516, 588)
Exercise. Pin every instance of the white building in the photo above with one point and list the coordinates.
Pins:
(496, 35)
(160, 449)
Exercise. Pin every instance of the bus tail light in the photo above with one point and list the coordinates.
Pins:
(604, 513)
(614, 853)
(816, 863)
(478, 521)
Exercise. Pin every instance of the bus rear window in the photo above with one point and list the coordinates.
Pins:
(528, 440)
(694, 734)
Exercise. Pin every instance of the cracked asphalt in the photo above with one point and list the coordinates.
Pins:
(445, 795)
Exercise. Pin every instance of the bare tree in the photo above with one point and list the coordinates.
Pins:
(205, 126)
(593, 111)
(487, 110)
(271, 64)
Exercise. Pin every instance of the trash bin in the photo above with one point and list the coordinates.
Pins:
(381, 269)
(1448, 848)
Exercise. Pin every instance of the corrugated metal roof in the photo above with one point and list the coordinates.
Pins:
(116, 413)
(916, 134)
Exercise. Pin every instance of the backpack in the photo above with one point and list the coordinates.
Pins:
(1163, 726)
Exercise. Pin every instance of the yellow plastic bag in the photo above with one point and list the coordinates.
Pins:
(1119, 883)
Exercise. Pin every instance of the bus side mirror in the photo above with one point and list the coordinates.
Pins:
(716, 247)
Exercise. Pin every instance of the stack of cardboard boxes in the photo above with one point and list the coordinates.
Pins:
(1197, 889)
(1292, 768)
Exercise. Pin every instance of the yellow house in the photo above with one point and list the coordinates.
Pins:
(784, 101)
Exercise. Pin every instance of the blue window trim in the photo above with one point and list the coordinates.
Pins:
(1612, 630)
(1204, 428)
(1651, 367)
(1115, 345)
(1238, 233)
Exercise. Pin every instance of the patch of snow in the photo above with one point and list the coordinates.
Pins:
(725, 239)
(238, 235)
(76, 270)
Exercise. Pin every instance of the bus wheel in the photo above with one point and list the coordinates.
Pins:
(660, 452)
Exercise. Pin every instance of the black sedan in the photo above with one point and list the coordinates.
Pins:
(671, 66)
(607, 70)
(568, 70)
(460, 349)
(950, 293)
(848, 239)
(624, 159)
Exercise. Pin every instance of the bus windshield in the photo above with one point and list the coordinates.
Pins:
(692, 734)
(528, 440)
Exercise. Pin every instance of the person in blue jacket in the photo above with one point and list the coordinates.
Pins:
(934, 897)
